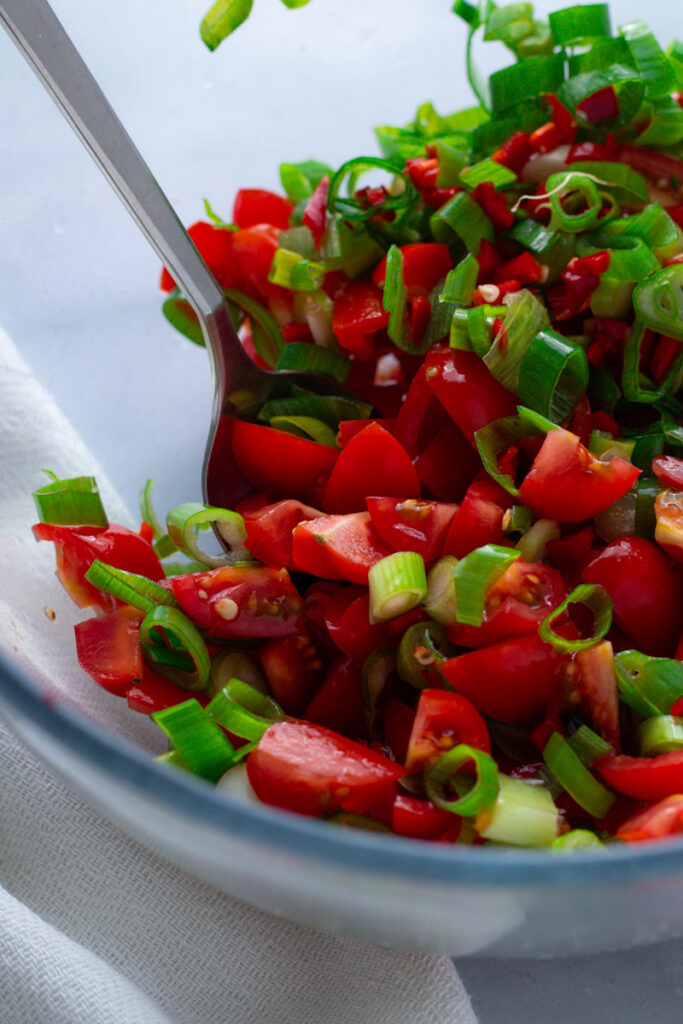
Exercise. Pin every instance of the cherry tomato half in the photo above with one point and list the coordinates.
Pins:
(443, 720)
(108, 648)
(235, 601)
(410, 524)
(373, 462)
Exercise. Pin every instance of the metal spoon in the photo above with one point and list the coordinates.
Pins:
(237, 382)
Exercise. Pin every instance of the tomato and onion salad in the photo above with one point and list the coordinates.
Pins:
(450, 608)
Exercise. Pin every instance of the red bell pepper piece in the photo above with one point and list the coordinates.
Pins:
(600, 105)
(358, 314)
(258, 206)
(494, 205)
(489, 260)
(315, 214)
(424, 265)
(515, 152)
(523, 268)
(573, 294)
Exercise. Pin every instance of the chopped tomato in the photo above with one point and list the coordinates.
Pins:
(669, 471)
(443, 720)
(358, 314)
(421, 416)
(373, 462)
(108, 648)
(77, 547)
(594, 679)
(466, 388)
(155, 693)
(269, 531)
(410, 524)
(347, 618)
(294, 671)
(311, 770)
(258, 206)
(281, 464)
(424, 265)
(338, 704)
(234, 601)
(569, 484)
(516, 604)
(339, 547)
(215, 246)
(665, 818)
(669, 528)
(644, 778)
(479, 519)
(448, 464)
(420, 819)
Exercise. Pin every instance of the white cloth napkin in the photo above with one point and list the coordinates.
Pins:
(94, 929)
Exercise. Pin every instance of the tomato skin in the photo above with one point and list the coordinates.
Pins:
(448, 464)
(466, 388)
(269, 531)
(510, 681)
(424, 265)
(669, 519)
(253, 601)
(77, 547)
(398, 725)
(669, 471)
(358, 314)
(215, 247)
(108, 649)
(665, 818)
(567, 483)
(644, 778)
(280, 464)
(338, 704)
(311, 770)
(645, 590)
(515, 605)
(420, 819)
(258, 206)
(443, 720)
(155, 693)
(412, 525)
(347, 618)
(339, 547)
(372, 462)
(420, 417)
(479, 519)
(293, 669)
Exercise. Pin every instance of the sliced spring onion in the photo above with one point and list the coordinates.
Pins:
(462, 219)
(602, 54)
(626, 185)
(575, 778)
(480, 324)
(593, 597)
(510, 23)
(299, 355)
(173, 646)
(129, 587)
(394, 297)
(200, 742)
(605, 447)
(377, 668)
(523, 815)
(229, 665)
(525, 317)
(648, 685)
(588, 746)
(163, 545)
(353, 208)
(184, 522)
(494, 439)
(516, 521)
(173, 758)
(579, 25)
(460, 282)
(532, 546)
(299, 240)
(653, 224)
(660, 735)
(553, 375)
(331, 409)
(440, 602)
(649, 59)
(244, 711)
(474, 576)
(628, 86)
(665, 124)
(422, 646)
(552, 249)
(222, 19)
(301, 180)
(528, 116)
(397, 583)
(490, 171)
(74, 502)
(306, 426)
(443, 774)
(633, 382)
(266, 333)
(568, 190)
(658, 301)
(290, 270)
(647, 489)
(577, 839)
(525, 80)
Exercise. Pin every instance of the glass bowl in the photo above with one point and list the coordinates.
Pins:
(78, 297)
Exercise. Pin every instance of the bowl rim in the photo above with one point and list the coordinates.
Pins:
(350, 849)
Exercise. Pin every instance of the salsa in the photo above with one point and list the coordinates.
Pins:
(450, 608)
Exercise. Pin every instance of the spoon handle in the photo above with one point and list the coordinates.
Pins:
(39, 35)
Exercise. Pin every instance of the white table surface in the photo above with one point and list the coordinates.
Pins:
(78, 282)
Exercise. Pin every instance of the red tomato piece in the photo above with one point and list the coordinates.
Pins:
(293, 668)
(398, 725)
(644, 778)
(420, 819)
(108, 649)
(665, 818)
(515, 152)
(592, 675)
(338, 704)
(309, 769)
(358, 314)
(258, 206)
(448, 464)
(424, 265)
(479, 519)
(269, 531)
(420, 417)
(372, 462)
(215, 247)
(349, 429)
(443, 720)
(411, 524)
(466, 388)
(568, 483)
(669, 519)
(155, 693)
(254, 248)
(234, 601)
(510, 681)
(645, 590)
(347, 617)
(77, 547)
(339, 547)
(281, 464)
(494, 205)
(516, 604)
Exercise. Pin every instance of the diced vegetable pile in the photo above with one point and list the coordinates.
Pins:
(451, 607)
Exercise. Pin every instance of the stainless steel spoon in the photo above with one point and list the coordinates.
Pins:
(237, 382)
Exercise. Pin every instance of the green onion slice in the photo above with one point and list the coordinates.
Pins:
(74, 502)
(647, 489)
(660, 735)
(525, 317)
(265, 331)
(576, 839)
(129, 587)
(394, 297)
(184, 522)
(306, 426)
(222, 19)
(181, 315)
(648, 685)
(628, 86)
(301, 180)
(553, 375)
(423, 646)
(244, 711)
(444, 773)
(575, 778)
(200, 742)
(300, 355)
(488, 170)
(173, 646)
(525, 80)
(352, 208)
(572, 189)
(440, 603)
(331, 409)
(658, 301)
(231, 664)
(588, 746)
(397, 583)
(163, 545)
(593, 597)
(290, 270)
(523, 815)
(649, 59)
(577, 26)
(474, 576)
(462, 219)
(377, 668)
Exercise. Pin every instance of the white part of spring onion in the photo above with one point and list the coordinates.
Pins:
(440, 602)
(236, 783)
(397, 584)
(315, 309)
(523, 815)
(533, 543)
(541, 167)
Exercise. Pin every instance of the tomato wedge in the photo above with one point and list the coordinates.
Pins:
(569, 484)
(645, 778)
(665, 818)
(424, 265)
(108, 648)
(339, 547)
(347, 617)
(258, 206)
(338, 704)
(420, 819)
(269, 531)
(479, 519)
(240, 601)
(448, 464)
(293, 668)
(373, 462)
(466, 388)
(358, 314)
(311, 770)
(280, 464)
(443, 720)
(411, 524)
